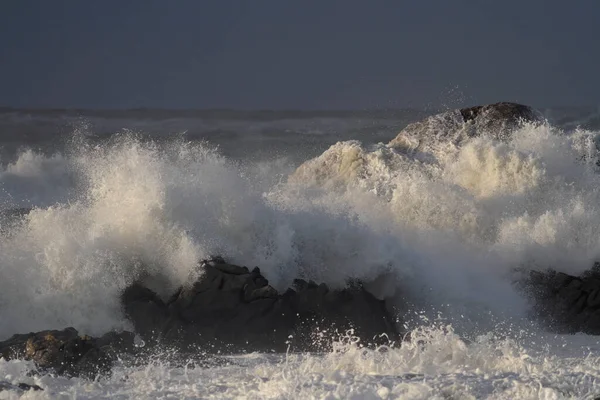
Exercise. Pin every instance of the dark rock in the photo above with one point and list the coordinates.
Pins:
(115, 344)
(66, 352)
(14, 347)
(228, 309)
(26, 386)
(232, 309)
(231, 269)
(300, 284)
(19, 387)
(146, 308)
(493, 113)
(497, 120)
(566, 303)
(265, 292)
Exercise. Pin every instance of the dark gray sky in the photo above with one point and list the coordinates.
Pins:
(298, 54)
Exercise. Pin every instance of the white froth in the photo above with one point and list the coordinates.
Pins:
(437, 364)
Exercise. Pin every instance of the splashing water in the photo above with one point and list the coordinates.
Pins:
(445, 227)
(454, 226)
(436, 364)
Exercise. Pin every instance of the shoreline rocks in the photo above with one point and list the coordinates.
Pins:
(232, 309)
(229, 309)
(66, 352)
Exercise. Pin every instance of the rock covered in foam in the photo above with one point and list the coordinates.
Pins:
(498, 120)
(66, 352)
(232, 309)
(347, 164)
(428, 142)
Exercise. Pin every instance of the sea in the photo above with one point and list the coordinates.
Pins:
(116, 195)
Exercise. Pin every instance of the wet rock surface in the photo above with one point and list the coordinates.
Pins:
(66, 352)
(567, 303)
(234, 309)
(504, 112)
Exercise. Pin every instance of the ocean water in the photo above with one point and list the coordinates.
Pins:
(441, 235)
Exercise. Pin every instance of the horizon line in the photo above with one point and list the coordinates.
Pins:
(4, 108)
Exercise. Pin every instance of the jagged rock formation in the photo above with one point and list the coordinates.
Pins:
(233, 309)
(229, 309)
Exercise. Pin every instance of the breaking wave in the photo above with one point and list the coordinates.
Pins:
(445, 226)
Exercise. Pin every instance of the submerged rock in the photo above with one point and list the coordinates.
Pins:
(66, 352)
(498, 120)
(232, 309)
(567, 303)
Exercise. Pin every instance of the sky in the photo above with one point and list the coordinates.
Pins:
(286, 54)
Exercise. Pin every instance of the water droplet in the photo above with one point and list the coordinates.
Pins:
(138, 341)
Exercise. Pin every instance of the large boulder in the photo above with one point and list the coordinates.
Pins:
(66, 352)
(497, 120)
(232, 309)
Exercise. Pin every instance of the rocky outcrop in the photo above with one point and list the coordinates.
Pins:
(497, 120)
(228, 309)
(233, 309)
(66, 352)
(566, 303)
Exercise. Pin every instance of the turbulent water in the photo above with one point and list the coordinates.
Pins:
(320, 196)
